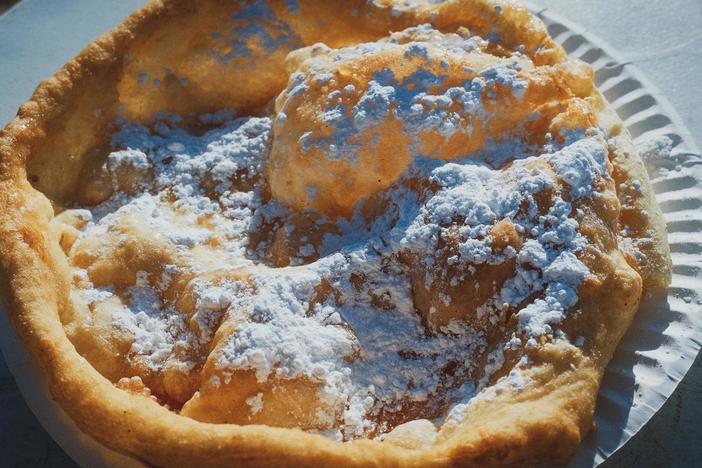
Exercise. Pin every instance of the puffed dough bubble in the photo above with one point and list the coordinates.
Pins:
(352, 120)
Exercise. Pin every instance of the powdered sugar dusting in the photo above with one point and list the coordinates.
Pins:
(343, 310)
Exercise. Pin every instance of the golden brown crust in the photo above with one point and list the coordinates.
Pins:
(54, 142)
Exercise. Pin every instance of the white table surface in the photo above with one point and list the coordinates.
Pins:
(662, 38)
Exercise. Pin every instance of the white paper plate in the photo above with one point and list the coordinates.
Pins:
(656, 352)
(666, 335)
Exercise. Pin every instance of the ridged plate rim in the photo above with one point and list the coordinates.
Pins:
(665, 337)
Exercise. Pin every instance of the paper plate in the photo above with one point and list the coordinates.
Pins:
(665, 336)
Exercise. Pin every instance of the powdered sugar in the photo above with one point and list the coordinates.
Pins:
(255, 402)
(413, 99)
(584, 162)
(344, 313)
